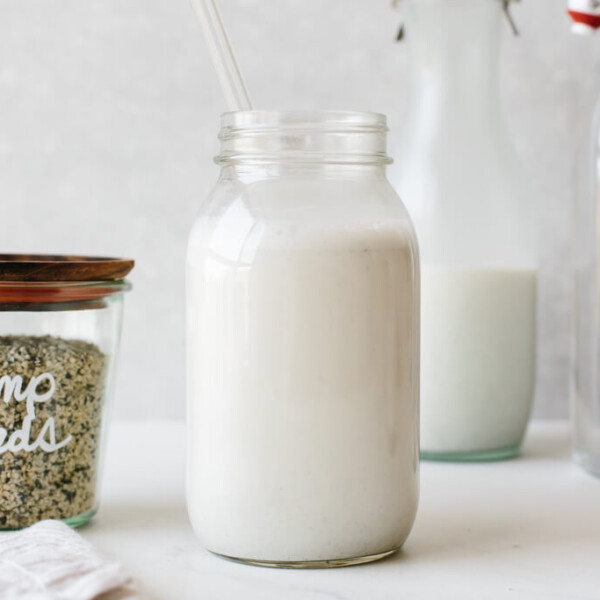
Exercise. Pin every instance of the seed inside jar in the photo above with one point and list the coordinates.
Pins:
(51, 394)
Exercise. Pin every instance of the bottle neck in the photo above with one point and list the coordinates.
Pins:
(457, 169)
(454, 47)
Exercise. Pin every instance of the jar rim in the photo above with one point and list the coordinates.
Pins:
(303, 137)
(343, 120)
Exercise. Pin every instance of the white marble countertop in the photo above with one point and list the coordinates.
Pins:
(527, 528)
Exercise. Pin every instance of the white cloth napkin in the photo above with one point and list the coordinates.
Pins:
(49, 561)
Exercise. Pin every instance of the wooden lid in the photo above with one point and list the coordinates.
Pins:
(62, 268)
(40, 279)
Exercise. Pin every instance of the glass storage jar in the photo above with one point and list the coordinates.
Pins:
(303, 345)
(60, 322)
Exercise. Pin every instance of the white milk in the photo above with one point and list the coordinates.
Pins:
(303, 396)
(477, 359)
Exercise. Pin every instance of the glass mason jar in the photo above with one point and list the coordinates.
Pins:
(60, 321)
(303, 300)
(460, 178)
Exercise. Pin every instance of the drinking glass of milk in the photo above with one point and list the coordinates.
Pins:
(303, 345)
(461, 180)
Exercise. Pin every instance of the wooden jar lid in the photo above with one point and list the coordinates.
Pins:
(27, 279)
(56, 268)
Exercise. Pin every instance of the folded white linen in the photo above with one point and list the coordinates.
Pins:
(49, 561)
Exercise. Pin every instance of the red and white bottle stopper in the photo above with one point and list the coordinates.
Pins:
(585, 15)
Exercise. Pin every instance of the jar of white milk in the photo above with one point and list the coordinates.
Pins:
(303, 345)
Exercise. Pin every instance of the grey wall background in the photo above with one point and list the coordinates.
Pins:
(108, 121)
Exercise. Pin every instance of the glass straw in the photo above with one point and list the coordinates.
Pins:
(222, 55)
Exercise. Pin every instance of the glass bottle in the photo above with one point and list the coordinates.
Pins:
(303, 299)
(586, 402)
(460, 178)
(585, 406)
